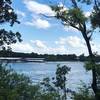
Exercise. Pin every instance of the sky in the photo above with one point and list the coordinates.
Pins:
(47, 35)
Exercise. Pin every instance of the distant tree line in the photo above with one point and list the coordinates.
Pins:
(48, 57)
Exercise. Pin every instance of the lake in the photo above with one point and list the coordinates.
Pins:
(38, 71)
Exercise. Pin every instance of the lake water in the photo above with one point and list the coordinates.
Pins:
(38, 71)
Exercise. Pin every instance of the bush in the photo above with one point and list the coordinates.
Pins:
(84, 93)
(14, 86)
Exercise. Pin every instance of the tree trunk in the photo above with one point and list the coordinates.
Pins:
(94, 80)
(65, 95)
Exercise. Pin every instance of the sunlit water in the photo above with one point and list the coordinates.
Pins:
(38, 71)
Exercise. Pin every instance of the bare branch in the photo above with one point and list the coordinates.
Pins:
(46, 15)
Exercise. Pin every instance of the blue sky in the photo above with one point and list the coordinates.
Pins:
(47, 35)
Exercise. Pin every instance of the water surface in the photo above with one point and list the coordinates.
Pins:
(38, 71)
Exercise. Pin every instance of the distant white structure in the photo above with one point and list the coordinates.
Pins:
(15, 59)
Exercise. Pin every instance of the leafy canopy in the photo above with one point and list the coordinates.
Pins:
(7, 15)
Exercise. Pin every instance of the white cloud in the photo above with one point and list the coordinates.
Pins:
(87, 14)
(72, 41)
(38, 8)
(57, 50)
(61, 41)
(53, 50)
(20, 13)
(41, 47)
(39, 23)
(39, 43)
(38, 46)
(75, 45)
(22, 47)
(75, 41)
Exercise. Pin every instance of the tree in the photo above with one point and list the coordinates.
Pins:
(7, 15)
(82, 57)
(95, 16)
(60, 82)
(74, 17)
(57, 86)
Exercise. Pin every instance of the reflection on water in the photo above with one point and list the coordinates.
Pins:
(38, 71)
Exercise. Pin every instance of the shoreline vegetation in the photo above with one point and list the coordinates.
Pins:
(19, 86)
(35, 57)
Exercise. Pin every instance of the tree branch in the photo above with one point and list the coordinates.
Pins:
(46, 15)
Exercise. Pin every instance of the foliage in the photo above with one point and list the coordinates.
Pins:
(48, 57)
(82, 57)
(84, 93)
(85, 1)
(95, 16)
(9, 37)
(58, 84)
(12, 85)
(88, 67)
(95, 19)
(7, 12)
(49, 89)
(15, 86)
(7, 15)
(98, 76)
(71, 17)
(60, 76)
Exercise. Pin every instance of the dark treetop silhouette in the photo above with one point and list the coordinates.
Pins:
(7, 15)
